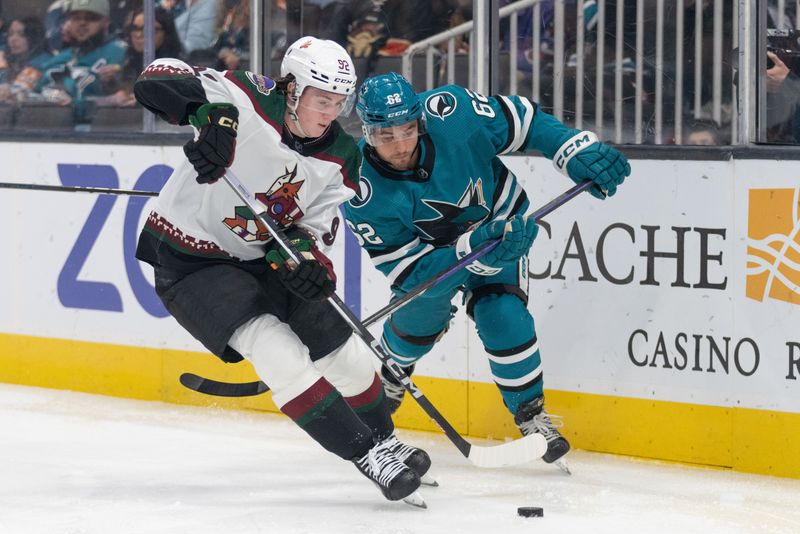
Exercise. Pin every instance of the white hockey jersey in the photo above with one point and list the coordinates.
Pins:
(298, 181)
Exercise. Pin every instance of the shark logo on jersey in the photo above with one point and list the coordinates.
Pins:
(441, 104)
(281, 203)
(363, 195)
(454, 219)
(263, 84)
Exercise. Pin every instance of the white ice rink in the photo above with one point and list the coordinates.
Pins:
(73, 463)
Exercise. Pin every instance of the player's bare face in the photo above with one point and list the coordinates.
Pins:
(317, 109)
(397, 145)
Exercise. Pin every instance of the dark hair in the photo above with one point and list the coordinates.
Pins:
(171, 47)
(706, 125)
(34, 33)
(282, 84)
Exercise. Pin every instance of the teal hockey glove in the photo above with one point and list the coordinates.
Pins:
(517, 236)
(582, 157)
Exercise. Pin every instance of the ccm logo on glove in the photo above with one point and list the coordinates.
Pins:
(569, 149)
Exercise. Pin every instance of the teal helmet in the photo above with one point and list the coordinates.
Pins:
(386, 101)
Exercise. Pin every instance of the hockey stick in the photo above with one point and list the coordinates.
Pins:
(76, 189)
(245, 389)
(522, 450)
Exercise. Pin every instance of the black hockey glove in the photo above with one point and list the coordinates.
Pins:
(214, 149)
(313, 279)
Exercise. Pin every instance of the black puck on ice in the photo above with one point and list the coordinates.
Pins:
(530, 511)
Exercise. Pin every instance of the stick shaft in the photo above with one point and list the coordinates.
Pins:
(78, 189)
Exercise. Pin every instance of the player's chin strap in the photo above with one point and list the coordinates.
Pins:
(511, 453)
(570, 149)
(291, 109)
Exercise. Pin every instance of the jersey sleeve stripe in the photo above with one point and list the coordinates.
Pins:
(512, 203)
(514, 133)
(394, 253)
(398, 275)
(526, 122)
(231, 76)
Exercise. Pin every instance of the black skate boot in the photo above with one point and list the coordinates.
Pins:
(416, 459)
(531, 418)
(393, 388)
(394, 478)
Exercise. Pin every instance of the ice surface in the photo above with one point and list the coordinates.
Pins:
(73, 463)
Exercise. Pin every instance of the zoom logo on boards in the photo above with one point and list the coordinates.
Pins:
(97, 295)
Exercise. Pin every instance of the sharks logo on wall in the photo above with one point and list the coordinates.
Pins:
(281, 203)
(454, 219)
(441, 104)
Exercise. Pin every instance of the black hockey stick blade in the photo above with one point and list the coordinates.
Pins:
(222, 389)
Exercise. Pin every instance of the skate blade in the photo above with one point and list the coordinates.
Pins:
(415, 499)
(562, 464)
(428, 480)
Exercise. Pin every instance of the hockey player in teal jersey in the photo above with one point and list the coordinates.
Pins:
(432, 188)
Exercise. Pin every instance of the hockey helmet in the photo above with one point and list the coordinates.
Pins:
(322, 64)
(387, 101)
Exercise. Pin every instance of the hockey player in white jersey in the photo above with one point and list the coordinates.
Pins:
(218, 271)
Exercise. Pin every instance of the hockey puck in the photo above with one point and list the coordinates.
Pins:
(530, 511)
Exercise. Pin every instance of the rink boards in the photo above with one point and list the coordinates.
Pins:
(668, 316)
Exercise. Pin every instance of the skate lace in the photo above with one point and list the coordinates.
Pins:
(394, 391)
(399, 449)
(383, 464)
(543, 423)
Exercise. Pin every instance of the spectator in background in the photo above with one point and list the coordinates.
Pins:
(368, 28)
(22, 58)
(75, 72)
(3, 28)
(56, 24)
(233, 45)
(196, 21)
(783, 101)
(122, 78)
(703, 132)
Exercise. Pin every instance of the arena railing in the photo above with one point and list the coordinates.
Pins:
(590, 85)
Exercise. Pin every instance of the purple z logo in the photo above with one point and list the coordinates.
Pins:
(84, 294)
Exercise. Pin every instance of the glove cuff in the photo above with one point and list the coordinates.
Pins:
(463, 246)
(202, 117)
(570, 149)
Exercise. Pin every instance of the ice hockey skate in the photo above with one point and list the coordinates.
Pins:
(393, 388)
(394, 478)
(415, 458)
(531, 418)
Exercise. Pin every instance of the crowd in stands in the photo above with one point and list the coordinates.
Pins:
(74, 51)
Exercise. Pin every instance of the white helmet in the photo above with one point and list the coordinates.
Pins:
(321, 64)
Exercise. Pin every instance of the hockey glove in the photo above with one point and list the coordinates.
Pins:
(583, 157)
(517, 235)
(313, 279)
(215, 146)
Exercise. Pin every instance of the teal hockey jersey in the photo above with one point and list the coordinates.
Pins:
(409, 221)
